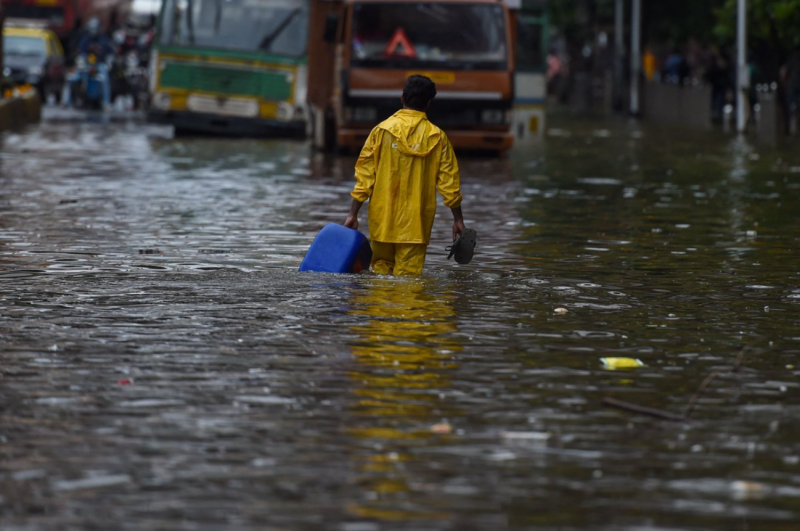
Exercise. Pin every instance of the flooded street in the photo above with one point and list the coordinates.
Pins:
(165, 366)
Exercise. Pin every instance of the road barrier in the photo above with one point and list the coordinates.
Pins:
(20, 110)
(678, 105)
(769, 119)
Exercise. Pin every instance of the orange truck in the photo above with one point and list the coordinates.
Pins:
(362, 51)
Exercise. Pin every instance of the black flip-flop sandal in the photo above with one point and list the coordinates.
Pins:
(464, 246)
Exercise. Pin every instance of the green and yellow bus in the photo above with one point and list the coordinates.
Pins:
(232, 67)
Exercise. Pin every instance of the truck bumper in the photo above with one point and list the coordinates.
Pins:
(497, 141)
(185, 121)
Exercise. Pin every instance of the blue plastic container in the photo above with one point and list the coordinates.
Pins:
(337, 249)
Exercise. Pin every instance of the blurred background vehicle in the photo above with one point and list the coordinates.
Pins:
(66, 17)
(133, 40)
(33, 55)
(86, 83)
(530, 28)
(96, 54)
(361, 52)
(236, 67)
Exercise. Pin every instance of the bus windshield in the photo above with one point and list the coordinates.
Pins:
(273, 26)
(429, 35)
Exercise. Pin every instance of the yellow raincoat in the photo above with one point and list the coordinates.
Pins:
(404, 162)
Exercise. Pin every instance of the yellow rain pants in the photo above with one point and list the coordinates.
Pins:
(400, 259)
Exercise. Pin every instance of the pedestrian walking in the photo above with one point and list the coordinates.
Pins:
(404, 162)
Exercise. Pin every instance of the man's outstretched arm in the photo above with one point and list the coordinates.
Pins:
(448, 183)
(365, 178)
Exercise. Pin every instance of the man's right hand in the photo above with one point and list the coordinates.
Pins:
(352, 218)
(351, 222)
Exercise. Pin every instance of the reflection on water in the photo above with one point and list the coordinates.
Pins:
(405, 348)
(164, 366)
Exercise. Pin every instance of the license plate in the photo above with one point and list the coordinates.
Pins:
(440, 78)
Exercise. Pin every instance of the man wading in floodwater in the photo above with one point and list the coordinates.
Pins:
(403, 163)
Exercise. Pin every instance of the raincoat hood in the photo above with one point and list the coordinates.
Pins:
(414, 134)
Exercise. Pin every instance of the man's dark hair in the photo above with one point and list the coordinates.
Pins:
(418, 92)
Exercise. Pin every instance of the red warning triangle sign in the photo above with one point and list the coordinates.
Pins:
(400, 45)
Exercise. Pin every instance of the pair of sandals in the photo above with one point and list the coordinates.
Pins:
(464, 246)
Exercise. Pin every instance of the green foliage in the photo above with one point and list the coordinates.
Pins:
(576, 18)
(773, 21)
(677, 21)
(773, 25)
(672, 21)
(712, 21)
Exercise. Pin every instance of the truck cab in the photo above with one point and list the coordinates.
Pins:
(362, 51)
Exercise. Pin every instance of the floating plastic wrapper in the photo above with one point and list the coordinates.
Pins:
(621, 363)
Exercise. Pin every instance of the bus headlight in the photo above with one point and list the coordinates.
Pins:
(162, 101)
(285, 111)
(493, 116)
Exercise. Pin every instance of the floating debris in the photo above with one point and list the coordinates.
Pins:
(442, 428)
(621, 363)
(264, 400)
(526, 435)
(92, 483)
(743, 490)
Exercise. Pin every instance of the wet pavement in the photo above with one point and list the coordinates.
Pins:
(165, 367)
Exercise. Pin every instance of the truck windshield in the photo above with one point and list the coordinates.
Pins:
(429, 34)
(273, 26)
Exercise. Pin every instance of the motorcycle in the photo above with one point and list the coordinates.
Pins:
(130, 72)
(130, 79)
(86, 83)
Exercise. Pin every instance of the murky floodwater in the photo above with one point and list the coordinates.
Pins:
(164, 366)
